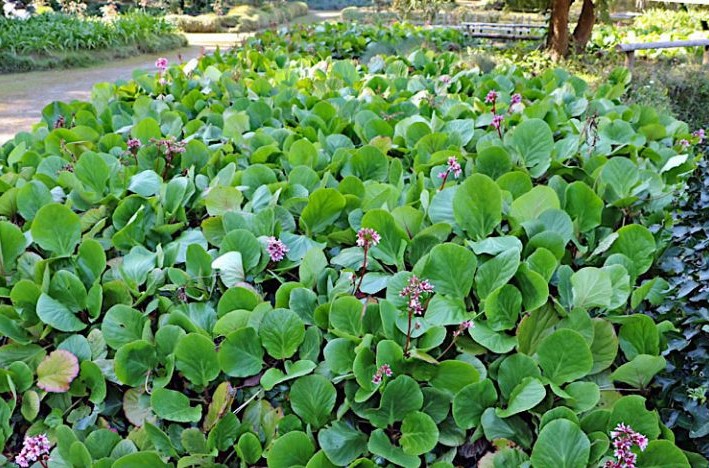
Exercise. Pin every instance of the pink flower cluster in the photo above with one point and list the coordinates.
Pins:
(466, 325)
(497, 120)
(33, 449)
(383, 371)
(701, 134)
(413, 291)
(684, 143)
(133, 145)
(453, 168)
(169, 146)
(277, 250)
(516, 99)
(368, 237)
(161, 64)
(624, 438)
(491, 97)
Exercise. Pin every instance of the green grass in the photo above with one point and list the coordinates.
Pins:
(59, 41)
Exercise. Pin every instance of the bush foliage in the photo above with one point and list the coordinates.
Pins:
(185, 282)
(243, 18)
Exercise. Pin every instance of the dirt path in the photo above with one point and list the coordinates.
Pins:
(24, 95)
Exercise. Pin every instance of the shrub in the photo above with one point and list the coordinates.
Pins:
(242, 18)
(310, 262)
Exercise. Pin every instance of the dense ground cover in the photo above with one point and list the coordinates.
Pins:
(55, 40)
(265, 258)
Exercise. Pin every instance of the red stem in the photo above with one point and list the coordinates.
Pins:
(408, 336)
(443, 182)
(363, 270)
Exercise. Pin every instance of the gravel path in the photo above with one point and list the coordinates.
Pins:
(24, 95)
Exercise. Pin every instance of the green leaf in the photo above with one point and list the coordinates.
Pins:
(631, 410)
(662, 454)
(513, 369)
(591, 287)
(449, 268)
(290, 450)
(342, 443)
(57, 315)
(133, 361)
(471, 401)
(281, 332)
(532, 204)
(584, 206)
(604, 347)
(249, 448)
(313, 399)
(31, 197)
(639, 335)
(12, 244)
(400, 397)
(452, 376)
(526, 395)
(502, 308)
(57, 229)
(534, 142)
(419, 433)
(390, 249)
(477, 206)
(564, 356)
(637, 243)
(196, 358)
(639, 372)
(174, 406)
(273, 376)
(56, 371)
(584, 396)
(139, 460)
(241, 354)
(379, 444)
(561, 443)
(496, 272)
(323, 209)
(513, 428)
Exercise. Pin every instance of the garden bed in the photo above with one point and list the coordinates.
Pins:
(55, 40)
(273, 257)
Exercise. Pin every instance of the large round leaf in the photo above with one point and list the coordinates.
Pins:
(471, 401)
(196, 358)
(564, 356)
(477, 206)
(419, 433)
(534, 142)
(561, 444)
(56, 228)
(450, 268)
(281, 333)
(133, 361)
(241, 354)
(342, 443)
(174, 406)
(291, 449)
(313, 399)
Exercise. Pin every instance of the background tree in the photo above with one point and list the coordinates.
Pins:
(559, 39)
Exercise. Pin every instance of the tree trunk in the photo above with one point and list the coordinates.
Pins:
(584, 28)
(558, 38)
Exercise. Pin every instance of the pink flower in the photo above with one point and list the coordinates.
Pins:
(161, 63)
(491, 97)
(133, 144)
(465, 325)
(497, 120)
(453, 168)
(368, 237)
(33, 448)
(445, 79)
(700, 134)
(277, 250)
(383, 371)
(413, 291)
(684, 143)
(623, 439)
(516, 99)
